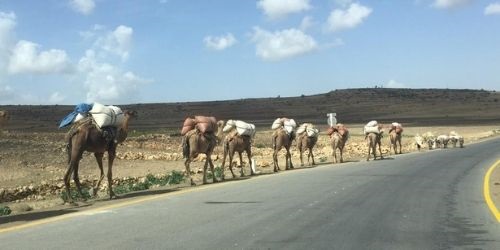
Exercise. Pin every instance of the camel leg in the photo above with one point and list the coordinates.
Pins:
(231, 155)
(341, 155)
(289, 164)
(400, 147)
(301, 161)
(275, 161)
(98, 157)
(312, 156)
(224, 160)
(76, 178)
(369, 148)
(380, 151)
(242, 173)
(249, 155)
(188, 170)
(67, 177)
(212, 168)
(205, 171)
(111, 158)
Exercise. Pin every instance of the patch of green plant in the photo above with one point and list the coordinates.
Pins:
(322, 159)
(175, 177)
(260, 145)
(5, 210)
(75, 195)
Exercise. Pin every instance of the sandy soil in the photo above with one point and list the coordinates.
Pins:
(35, 159)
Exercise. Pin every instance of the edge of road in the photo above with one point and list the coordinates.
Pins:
(486, 191)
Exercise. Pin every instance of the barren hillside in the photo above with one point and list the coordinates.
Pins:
(411, 106)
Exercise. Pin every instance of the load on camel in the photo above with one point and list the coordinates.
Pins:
(395, 134)
(95, 128)
(339, 134)
(239, 135)
(283, 137)
(455, 137)
(307, 136)
(373, 135)
(201, 135)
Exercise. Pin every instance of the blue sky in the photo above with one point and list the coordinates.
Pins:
(120, 52)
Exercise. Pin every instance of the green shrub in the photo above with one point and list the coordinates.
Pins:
(75, 195)
(5, 210)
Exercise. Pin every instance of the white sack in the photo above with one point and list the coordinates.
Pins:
(107, 115)
(372, 124)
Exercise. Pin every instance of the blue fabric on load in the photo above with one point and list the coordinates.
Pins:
(81, 108)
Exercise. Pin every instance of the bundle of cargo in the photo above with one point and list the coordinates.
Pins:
(204, 124)
(397, 127)
(372, 127)
(107, 115)
(340, 128)
(309, 129)
(241, 127)
(288, 124)
(81, 111)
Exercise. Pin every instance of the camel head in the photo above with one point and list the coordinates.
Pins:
(4, 115)
(220, 127)
(130, 114)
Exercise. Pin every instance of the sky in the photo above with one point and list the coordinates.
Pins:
(152, 51)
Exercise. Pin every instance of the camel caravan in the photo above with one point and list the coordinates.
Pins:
(98, 129)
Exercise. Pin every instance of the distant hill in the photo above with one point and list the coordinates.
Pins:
(353, 106)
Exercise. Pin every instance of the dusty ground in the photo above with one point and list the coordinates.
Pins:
(31, 161)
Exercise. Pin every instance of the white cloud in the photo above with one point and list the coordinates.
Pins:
(306, 23)
(282, 44)
(25, 58)
(341, 19)
(395, 84)
(117, 42)
(83, 6)
(106, 83)
(448, 4)
(219, 42)
(276, 9)
(492, 9)
(56, 98)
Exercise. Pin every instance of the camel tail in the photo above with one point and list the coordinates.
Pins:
(69, 148)
(185, 148)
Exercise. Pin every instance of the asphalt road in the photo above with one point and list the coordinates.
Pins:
(430, 200)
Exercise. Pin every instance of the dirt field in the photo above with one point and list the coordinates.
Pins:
(33, 164)
(33, 157)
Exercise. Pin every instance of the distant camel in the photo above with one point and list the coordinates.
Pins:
(85, 136)
(281, 139)
(237, 143)
(373, 140)
(195, 143)
(338, 142)
(304, 143)
(395, 140)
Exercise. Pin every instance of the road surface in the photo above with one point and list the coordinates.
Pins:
(428, 200)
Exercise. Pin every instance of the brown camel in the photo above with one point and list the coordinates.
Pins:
(195, 143)
(237, 143)
(373, 140)
(85, 136)
(395, 139)
(338, 142)
(304, 143)
(281, 139)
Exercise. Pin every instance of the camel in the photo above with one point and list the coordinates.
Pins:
(338, 142)
(195, 143)
(395, 138)
(281, 139)
(86, 136)
(304, 143)
(374, 139)
(237, 143)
